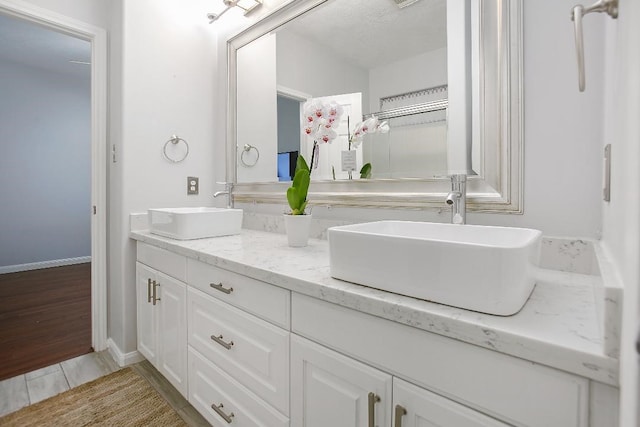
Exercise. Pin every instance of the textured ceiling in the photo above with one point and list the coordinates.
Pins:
(31, 44)
(375, 32)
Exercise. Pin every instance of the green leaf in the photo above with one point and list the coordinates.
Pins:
(301, 164)
(365, 172)
(303, 184)
(292, 198)
(297, 193)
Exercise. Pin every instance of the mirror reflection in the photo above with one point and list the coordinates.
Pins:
(369, 58)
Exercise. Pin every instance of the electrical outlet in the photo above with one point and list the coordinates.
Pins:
(193, 185)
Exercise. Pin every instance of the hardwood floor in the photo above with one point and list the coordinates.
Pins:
(45, 317)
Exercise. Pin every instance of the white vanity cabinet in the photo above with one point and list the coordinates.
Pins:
(161, 315)
(238, 348)
(252, 353)
(471, 382)
(330, 389)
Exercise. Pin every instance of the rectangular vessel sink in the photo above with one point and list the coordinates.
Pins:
(195, 223)
(480, 268)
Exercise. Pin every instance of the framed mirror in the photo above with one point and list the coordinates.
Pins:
(393, 66)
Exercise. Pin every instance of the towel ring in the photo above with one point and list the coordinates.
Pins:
(175, 140)
(247, 148)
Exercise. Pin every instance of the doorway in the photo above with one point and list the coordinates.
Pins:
(92, 251)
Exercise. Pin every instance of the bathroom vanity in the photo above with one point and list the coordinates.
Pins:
(255, 333)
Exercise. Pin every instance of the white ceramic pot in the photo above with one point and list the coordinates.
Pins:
(297, 227)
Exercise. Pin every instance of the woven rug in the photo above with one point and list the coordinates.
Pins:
(122, 398)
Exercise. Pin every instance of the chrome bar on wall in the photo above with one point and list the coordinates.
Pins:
(425, 107)
(410, 103)
(577, 13)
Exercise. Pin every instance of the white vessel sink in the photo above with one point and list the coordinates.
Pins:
(480, 268)
(195, 223)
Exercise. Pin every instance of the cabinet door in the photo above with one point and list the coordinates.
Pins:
(147, 342)
(171, 309)
(416, 407)
(329, 389)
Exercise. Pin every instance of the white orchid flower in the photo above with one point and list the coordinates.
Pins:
(370, 125)
(333, 109)
(309, 129)
(383, 127)
(313, 108)
(325, 135)
(356, 141)
(333, 122)
(308, 118)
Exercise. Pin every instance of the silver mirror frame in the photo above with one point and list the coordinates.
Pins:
(498, 187)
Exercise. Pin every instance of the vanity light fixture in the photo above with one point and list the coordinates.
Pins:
(246, 5)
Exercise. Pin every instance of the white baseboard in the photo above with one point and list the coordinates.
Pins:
(123, 359)
(44, 264)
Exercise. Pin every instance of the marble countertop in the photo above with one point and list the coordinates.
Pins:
(557, 327)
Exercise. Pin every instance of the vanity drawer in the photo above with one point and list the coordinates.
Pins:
(262, 299)
(162, 260)
(510, 389)
(209, 385)
(254, 352)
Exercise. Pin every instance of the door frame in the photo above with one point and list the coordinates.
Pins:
(98, 38)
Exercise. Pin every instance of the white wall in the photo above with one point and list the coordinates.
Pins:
(165, 82)
(422, 71)
(45, 133)
(404, 152)
(313, 69)
(94, 12)
(621, 217)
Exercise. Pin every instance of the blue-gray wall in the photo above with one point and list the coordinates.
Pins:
(45, 165)
(288, 124)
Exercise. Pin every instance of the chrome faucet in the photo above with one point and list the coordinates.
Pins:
(228, 190)
(457, 199)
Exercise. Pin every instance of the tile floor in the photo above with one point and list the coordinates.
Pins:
(35, 386)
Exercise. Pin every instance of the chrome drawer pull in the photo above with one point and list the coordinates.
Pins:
(219, 411)
(155, 298)
(373, 399)
(218, 339)
(400, 412)
(221, 288)
(148, 290)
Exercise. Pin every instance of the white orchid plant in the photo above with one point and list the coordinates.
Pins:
(369, 126)
(319, 122)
